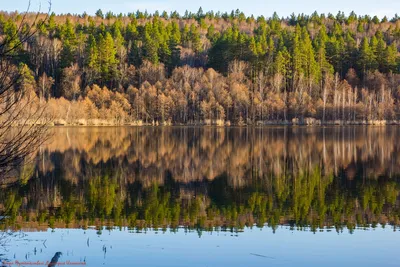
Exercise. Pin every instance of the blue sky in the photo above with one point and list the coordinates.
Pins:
(256, 7)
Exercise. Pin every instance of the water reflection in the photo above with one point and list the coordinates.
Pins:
(209, 179)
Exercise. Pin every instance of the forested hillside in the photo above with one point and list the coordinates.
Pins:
(209, 67)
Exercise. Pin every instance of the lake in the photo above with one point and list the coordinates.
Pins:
(206, 196)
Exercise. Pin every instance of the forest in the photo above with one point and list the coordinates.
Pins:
(207, 68)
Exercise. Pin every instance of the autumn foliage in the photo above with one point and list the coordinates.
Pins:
(211, 68)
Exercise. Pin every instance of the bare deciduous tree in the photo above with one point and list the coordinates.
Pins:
(20, 134)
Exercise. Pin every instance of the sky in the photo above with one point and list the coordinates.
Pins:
(255, 7)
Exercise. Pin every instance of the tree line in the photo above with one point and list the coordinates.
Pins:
(208, 67)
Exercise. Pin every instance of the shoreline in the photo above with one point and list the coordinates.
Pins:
(293, 123)
(308, 122)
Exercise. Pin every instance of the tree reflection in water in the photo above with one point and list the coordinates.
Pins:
(210, 179)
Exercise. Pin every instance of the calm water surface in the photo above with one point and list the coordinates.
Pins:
(184, 196)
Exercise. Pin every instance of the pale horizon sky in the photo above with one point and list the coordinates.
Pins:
(256, 7)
